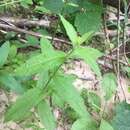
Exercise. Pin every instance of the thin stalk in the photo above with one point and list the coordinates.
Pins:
(124, 30)
(55, 72)
(118, 50)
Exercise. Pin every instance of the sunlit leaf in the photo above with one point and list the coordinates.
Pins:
(65, 90)
(69, 30)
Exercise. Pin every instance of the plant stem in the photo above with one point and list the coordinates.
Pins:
(51, 77)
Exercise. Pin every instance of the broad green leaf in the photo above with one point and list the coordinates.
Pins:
(71, 6)
(63, 87)
(71, 32)
(55, 6)
(105, 125)
(46, 116)
(11, 83)
(90, 19)
(83, 124)
(89, 55)
(46, 46)
(109, 85)
(23, 104)
(121, 120)
(4, 51)
(40, 63)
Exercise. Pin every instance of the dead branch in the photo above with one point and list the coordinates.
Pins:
(26, 22)
(23, 31)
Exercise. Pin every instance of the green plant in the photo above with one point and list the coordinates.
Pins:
(49, 62)
(51, 81)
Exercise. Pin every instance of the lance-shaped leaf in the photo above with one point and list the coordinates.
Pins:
(83, 124)
(46, 116)
(11, 83)
(63, 87)
(40, 63)
(109, 85)
(22, 106)
(46, 46)
(4, 51)
(85, 37)
(72, 34)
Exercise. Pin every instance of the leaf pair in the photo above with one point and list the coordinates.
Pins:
(72, 34)
(88, 54)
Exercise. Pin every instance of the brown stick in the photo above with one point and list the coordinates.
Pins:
(19, 30)
(26, 22)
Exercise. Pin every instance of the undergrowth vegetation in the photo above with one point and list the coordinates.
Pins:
(32, 67)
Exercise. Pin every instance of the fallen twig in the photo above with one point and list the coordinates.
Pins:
(26, 22)
(19, 30)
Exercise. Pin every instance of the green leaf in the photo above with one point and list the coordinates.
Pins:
(85, 38)
(55, 6)
(41, 9)
(63, 87)
(46, 46)
(46, 116)
(72, 34)
(40, 63)
(109, 85)
(80, 124)
(94, 100)
(105, 125)
(10, 83)
(83, 124)
(4, 51)
(58, 101)
(12, 52)
(121, 120)
(89, 20)
(22, 106)
(42, 79)
(90, 56)
(32, 40)
(70, 7)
